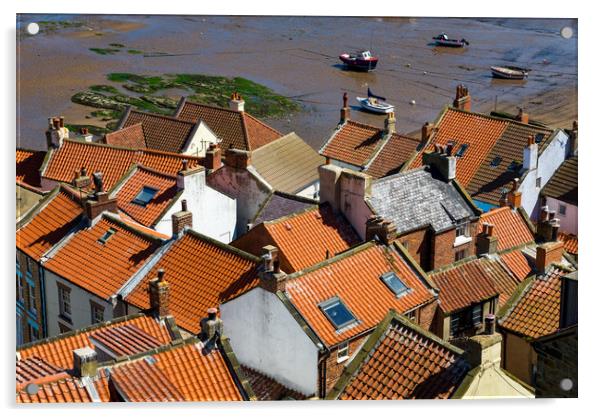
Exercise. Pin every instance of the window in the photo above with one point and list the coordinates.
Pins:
(405, 244)
(145, 196)
(462, 150)
(337, 312)
(63, 328)
(33, 332)
(104, 238)
(538, 182)
(343, 352)
(97, 313)
(461, 254)
(31, 298)
(64, 302)
(466, 319)
(395, 284)
(496, 161)
(562, 209)
(539, 137)
(462, 230)
(411, 315)
(29, 267)
(19, 282)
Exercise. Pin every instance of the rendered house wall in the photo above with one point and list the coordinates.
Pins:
(203, 137)
(569, 222)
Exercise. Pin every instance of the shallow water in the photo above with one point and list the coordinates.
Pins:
(298, 57)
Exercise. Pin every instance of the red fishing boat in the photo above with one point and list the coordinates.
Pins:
(361, 61)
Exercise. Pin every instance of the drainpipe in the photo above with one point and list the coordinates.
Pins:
(44, 332)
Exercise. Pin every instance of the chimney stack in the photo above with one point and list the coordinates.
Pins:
(574, 139)
(515, 196)
(272, 278)
(390, 124)
(462, 101)
(383, 229)
(427, 130)
(213, 158)
(181, 220)
(486, 243)
(530, 154)
(547, 225)
(85, 362)
(238, 159)
(345, 111)
(522, 116)
(441, 161)
(100, 201)
(81, 180)
(56, 132)
(236, 102)
(158, 289)
(547, 254)
(503, 201)
(330, 185)
(212, 328)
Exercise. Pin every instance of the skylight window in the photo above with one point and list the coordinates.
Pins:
(462, 150)
(496, 161)
(395, 284)
(539, 137)
(337, 312)
(104, 238)
(145, 196)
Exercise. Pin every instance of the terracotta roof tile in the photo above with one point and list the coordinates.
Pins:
(28, 166)
(36, 370)
(102, 269)
(58, 351)
(571, 242)
(302, 239)
(354, 143)
(54, 221)
(406, 363)
(267, 389)
(202, 273)
(355, 278)
(518, 263)
(149, 214)
(392, 156)
(537, 311)
(113, 162)
(128, 137)
(163, 133)
(563, 185)
(233, 128)
(479, 132)
(463, 285)
(510, 227)
(66, 390)
(504, 281)
(124, 340)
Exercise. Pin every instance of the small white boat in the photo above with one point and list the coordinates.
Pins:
(375, 104)
(510, 73)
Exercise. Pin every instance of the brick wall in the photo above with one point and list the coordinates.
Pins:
(556, 361)
(443, 251)
(334, 370)
(418, 245)
(27, 313)
(518, 357)
(426, 315)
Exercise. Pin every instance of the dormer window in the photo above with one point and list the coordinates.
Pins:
(145, 196)
(462, 234)
(104, 238)
(395, 284)
(462, 150)
(337, 312)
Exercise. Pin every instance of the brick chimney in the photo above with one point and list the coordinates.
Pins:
(100, 201)
(238, 159)
(574, 139)
(383, 229)
(158, 290)
(441, 161)
(515, 196)
(547, 225)
(212, 328)
(390, 124)
(345, 111)
(486, 243)
(462, 101)
(181, 220)
(236, 102)
(213, 157)
(272, 278)
(81, 180)
(56, 132)
(530, 154)
(85, 362)
(427, 130)
(547, 254)
(522, 116)
(503, 201)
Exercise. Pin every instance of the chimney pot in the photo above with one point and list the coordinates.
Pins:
(158, 289)
(161, 274)
(522, 116)
(62, 121)
(427, 129)
(390, 123)
(184, 164)
(490, 324)
(211, 329)
(184, 205)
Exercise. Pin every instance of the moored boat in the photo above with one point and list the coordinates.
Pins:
(444, 40)
(362, 60)
(510, 72)
(375, 104)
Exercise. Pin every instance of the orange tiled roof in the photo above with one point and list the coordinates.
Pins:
(149, 215)
(124, 340)
(302, 239)
(102, 269)
(537, 311)
(34, 369)
(406, 363)
(518, 263)
(202, 273)
(28, 166)
(128, 137)
(355, 278)
(571, 242)
(463, 285)
(510, 227)
(237, 129)
(66, 390)
(53, 222)
(504, 281)
(392, 156)
(163, 133)
(58, 351)
(128, 221)
(268, 389)
(112, 161)
(354, 143)
(479, 132)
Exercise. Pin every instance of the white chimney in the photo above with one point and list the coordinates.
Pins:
(236, 102)
(530, 155)
(85, 363)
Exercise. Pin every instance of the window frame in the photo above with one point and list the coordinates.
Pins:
(538, 182)
(95, 307)
(20, 296)
(392, 275)
(325, 305)
(465, 319)
(143, 203)
(31, 297)
(463, 251)
(106, 236)
(562, 209)
(343, 352)
(64, 301)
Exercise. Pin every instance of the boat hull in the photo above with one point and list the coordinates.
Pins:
(507, 74)
(359, 64)
(382, 109)
(450, 43)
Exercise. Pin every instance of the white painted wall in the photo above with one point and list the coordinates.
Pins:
(81, 315)
(342, 164)
(311, 191)
(265, 337)
(568, 222)
(353, 204)
(201, 139)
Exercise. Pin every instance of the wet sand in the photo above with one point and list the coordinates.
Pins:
(297, 57)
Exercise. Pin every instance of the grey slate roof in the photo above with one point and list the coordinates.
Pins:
(415, 199)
